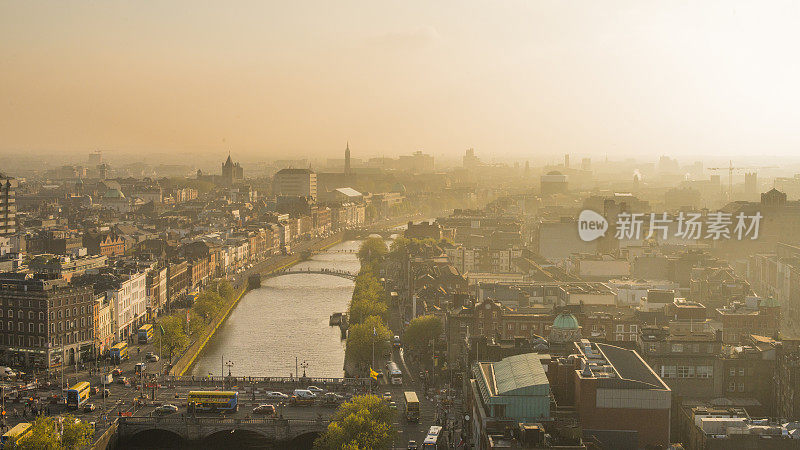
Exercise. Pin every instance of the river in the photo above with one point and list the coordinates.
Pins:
(286, 318)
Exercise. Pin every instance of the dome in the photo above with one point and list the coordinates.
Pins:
(113, 193)
(554, 172)
(566, 322)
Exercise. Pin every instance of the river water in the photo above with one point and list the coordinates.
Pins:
(286, 318)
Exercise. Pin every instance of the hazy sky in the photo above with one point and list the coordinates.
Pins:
(509, 78)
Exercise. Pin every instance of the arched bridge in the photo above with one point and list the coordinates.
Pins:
(335, 273)
(198, 429)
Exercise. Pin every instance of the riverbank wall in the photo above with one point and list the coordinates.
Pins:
(185, 362)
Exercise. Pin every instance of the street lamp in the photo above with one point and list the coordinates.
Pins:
(304, 365)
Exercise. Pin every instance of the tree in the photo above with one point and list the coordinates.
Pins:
(225, 290)
(174, 337)
(399, 247)
(361, 337)
(371, 253)
(46, 433)
(360, 309)
(43, 435)
(365, 422)
(208, 304)
(421, 330)
(77, 434)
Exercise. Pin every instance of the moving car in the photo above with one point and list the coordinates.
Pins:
(151, 357)
(268, 410)
(116, 372)
(122, 380)
(304, 393)
(88, 407)
(412, 445)
(387, 396)
(165, 410)
(275, 395)
(316, 390)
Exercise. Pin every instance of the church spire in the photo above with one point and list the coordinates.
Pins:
(347, 159)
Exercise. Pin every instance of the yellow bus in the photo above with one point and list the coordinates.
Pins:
(119, 352)
(146, 333)
(412, 406)
(15, 434)
(213, 401)
(78, 394)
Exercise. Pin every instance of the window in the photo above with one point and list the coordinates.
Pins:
(20, 327)
(677, 348)
(741, 387)
(741, 371)
(668, 372)
(620, 328)
(631, 337)
(685, 371)
(704, 371)
(30, 315)
(653, 347)
(523, 327)
(510, 326)
(10, 314)
(30, 327)
(620, 337)
(696, 348)
(732, 371)
(20, 315)
(634, 329)
(41, 328)
(41, 316)
(10, 326)
(731, 386)
(594, 327)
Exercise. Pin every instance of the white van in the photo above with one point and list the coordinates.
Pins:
(304, 393)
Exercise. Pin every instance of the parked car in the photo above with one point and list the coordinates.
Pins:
(165, 410)
(412, 445)
(268, 410)
(387, 396)
(392, 405)
(316, 390)
(275, 395)
(88, 407)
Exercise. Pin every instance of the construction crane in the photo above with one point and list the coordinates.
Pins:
(730, 170)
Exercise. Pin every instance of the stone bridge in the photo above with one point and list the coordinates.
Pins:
(334, 273)
(361, 233)
(198, 429)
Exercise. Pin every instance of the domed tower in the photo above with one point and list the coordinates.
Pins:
(565, 329)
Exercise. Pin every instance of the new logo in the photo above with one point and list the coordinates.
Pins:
(591, 225)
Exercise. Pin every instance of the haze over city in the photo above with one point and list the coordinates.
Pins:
(512, 79)
(410, 225)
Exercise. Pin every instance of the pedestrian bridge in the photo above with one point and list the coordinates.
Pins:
(200, 429)
(334, 273)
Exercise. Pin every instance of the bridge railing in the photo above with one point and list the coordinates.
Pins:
(148, 420)
(232, 381)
